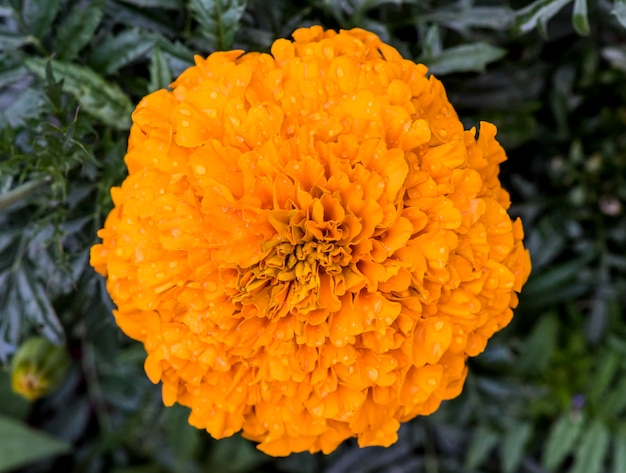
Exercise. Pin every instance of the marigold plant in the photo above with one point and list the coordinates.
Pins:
(308, 243)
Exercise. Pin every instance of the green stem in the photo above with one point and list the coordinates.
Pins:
(21, 192)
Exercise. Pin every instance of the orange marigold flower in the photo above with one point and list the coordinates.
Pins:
(308, 243)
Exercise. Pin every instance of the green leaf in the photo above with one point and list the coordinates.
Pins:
(598, 318)
(579, 17)
(619, 450)
(36, 305)
(561, 439)
(619, 10)
(483, 441)
(603, 376)
(117, 51)
(26, 104)
(497, 18)
(160, 74)
(234, 455)
(352, 12)
(557, 277)
(179, 57)
(11, 404)
(219, 20)
(53, 89)
(183, 439)
(22, 445)
(150, 468)
(101, 99)
(593, 447)
(170, 4)
(545, 243)
(77, 30)
(39, 15)
(615, 401)
(146, 19)
(365, 5)
(464, 58)
(547, 299)
(539, 347)
(513, 446)
(431, 44)
(537, 14)
(10, 41)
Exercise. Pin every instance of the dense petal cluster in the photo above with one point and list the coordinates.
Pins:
(308, 243)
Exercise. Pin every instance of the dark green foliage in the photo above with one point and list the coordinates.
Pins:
(549, 393)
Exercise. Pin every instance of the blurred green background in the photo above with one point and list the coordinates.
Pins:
(548, 394)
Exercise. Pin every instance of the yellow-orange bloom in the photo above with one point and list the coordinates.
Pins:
(308, 243)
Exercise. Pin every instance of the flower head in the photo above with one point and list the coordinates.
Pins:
(308, 243)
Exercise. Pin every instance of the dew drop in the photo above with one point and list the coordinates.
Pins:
(378, 307)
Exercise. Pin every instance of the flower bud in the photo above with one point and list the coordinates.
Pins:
(38, 368)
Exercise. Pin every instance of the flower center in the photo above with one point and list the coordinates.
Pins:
(288, 277)
(310, 244)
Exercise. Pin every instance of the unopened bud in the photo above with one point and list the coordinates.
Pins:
(38, 368)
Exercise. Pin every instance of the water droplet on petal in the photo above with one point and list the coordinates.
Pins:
(372, 373)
